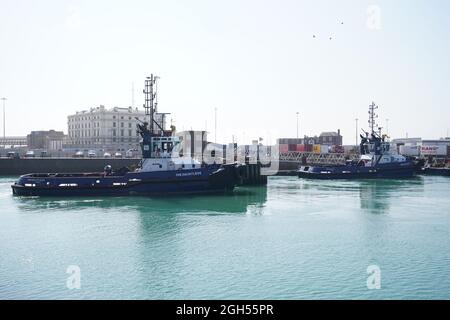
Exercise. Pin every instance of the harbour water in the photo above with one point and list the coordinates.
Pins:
(293, 239)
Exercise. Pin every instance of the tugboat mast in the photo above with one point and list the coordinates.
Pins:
(372, 117)
(150, 98)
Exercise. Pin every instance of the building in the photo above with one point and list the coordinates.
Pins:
(107, 129)
(13, 142)
(325, 138)
(49, 140)
(407, 141)
(330, 138)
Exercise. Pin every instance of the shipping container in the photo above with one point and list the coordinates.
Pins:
(324, 148)
(412, 151)
(301, 148)
(292, 147)
(308, 147)
(284, 148)
(434, 150)
(448, 151)
(316, 148)
(337, 149)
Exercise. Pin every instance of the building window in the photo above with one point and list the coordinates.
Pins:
(130, 133)
(114, 133)
(114, 124)
(121, 133)
(121, 124)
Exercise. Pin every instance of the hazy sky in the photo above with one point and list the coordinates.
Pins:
(256, 61)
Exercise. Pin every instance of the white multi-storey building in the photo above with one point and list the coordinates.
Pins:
(101, 128)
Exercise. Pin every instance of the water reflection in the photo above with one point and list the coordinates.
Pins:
(240, 201)
(376, 195)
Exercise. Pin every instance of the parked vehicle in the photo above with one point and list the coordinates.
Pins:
(129, 154)
(13, 155)
(92, 154)
(79, 154)
(107, 155)
(29, 154)
(117, 155)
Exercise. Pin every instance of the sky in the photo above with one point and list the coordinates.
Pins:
(256, 62)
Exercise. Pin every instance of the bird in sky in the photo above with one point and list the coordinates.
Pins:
(331, 38)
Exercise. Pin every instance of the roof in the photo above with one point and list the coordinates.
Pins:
(328, 134)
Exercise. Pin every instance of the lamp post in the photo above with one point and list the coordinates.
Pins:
(356, 133)
(4, 121)
(215, 125)
(297, 124)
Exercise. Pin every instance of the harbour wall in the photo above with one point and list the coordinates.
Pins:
(15, 167)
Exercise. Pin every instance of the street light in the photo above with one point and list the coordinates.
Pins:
(297, 125)
(215, 125)
(4, 121)
(356, 133)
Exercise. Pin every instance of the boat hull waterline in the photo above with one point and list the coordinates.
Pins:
(348, 172)
(202, 180)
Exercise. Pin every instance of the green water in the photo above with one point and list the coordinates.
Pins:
(293, 239)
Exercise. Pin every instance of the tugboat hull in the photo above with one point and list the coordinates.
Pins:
(436, 171)
(145, 183)
(347, 172)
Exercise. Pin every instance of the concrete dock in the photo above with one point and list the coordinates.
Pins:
(9, 167)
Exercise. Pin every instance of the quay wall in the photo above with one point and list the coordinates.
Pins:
(14, 167)
(61, 165)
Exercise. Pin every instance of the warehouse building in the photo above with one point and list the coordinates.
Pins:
(49, 140)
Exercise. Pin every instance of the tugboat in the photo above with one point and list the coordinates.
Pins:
(376, 160)
(162, 169)
(435, 171)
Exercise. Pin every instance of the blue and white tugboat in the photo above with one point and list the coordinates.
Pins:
(161, 171)
(376, 160)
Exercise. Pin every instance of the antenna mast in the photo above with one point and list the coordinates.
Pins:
(150, 95)
(372, 117)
